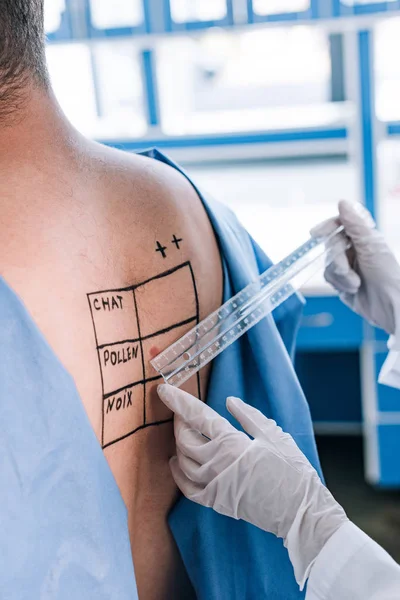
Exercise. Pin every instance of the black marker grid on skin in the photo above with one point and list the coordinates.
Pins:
(123, 339)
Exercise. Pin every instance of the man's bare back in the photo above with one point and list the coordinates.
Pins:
(114, 258)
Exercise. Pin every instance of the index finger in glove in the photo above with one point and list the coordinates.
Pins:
(251, 419)
(339, 273)
(357, 220)
(196, 414)
(325, 228)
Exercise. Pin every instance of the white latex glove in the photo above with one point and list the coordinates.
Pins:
(367, 277)
(266, 481)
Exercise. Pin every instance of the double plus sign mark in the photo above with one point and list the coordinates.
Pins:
(161, 249)
(176, 241)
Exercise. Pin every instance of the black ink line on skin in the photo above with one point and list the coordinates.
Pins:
(145, 426)
(141, 350)
(165, 273)
(101, 370)
(134, 341)
(150, 335)
(197, 321)
(161, 249)
(176, 241)
(117, 402)
(138, 285)
(170, 328)
(131, 385)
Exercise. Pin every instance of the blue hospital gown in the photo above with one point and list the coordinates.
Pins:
(63, 524)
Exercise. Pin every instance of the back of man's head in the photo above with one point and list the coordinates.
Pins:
(22, 52)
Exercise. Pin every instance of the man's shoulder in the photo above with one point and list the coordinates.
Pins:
(141, 177)
(149, 202)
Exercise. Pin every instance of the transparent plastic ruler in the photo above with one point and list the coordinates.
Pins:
(219, 330)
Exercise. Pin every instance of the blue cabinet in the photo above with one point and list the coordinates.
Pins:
(388, 398)
(328, 324)
(331, 383)
(328, 364)
(388, 445)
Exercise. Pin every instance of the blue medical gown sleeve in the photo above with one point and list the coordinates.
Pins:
(63, 524)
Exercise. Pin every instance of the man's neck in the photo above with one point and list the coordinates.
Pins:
(40, 157)
(38, 133)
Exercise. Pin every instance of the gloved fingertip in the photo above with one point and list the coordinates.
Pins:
(354, 282)
(347, 208)
(175, 469)
(250, 418)
(325, 228)
(344, 205)
(164, 392)
(236, 407)
(179, 401)
(173, 461)
(354, 214)
(233, 402)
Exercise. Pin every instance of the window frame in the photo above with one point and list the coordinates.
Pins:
(171, 25)
(340, 9)
(311, 13)
(110, 32)
(64, 32)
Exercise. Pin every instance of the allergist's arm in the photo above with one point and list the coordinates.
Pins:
(351, 566)
(266, 480)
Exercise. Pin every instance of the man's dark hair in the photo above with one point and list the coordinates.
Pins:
(22, 51)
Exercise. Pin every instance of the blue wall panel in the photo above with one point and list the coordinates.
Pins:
(328, 324)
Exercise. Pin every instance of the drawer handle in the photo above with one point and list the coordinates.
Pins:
(323, 319)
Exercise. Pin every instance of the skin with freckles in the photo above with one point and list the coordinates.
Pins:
(79, 219)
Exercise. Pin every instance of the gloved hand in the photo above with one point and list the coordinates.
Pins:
(368, 276)
(266, 481)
